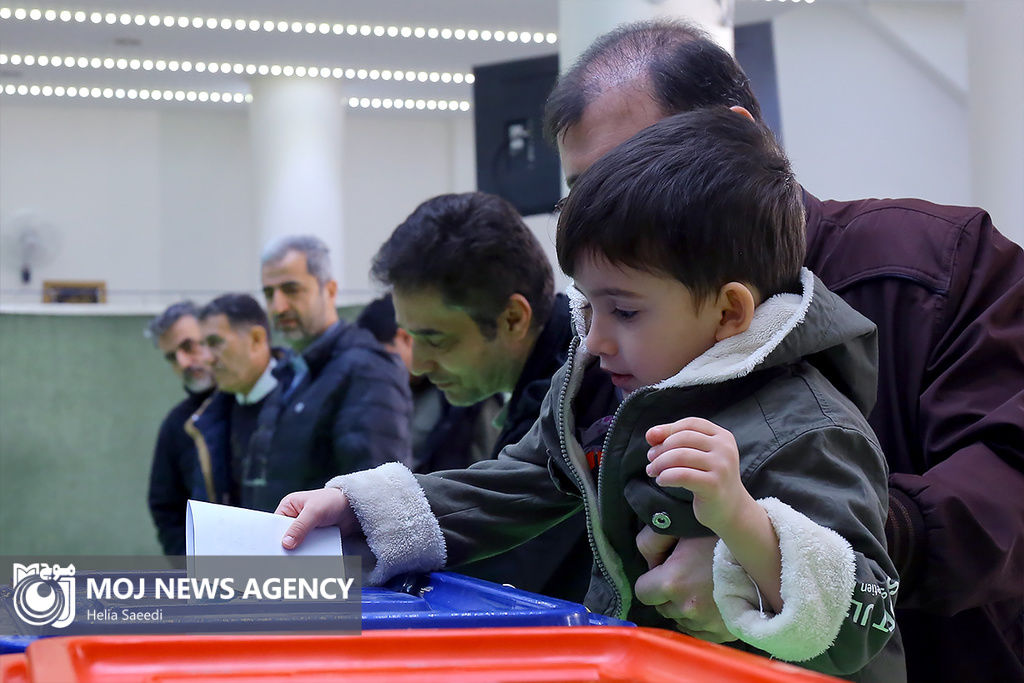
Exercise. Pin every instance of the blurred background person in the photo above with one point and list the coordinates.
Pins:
(346, 405)
(236, 331)
(175, 332)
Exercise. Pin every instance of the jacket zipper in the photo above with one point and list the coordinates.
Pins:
(587, 502)
(604, 454)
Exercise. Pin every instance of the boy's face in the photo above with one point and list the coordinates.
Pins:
(644, 327)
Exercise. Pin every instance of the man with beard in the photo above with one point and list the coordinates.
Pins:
(343, 403)
(175, 332)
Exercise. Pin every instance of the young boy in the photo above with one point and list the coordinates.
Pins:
(685, 244)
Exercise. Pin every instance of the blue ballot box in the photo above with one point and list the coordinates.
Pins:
(413, 601)
(448, 600)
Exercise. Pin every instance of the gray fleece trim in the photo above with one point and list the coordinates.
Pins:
(579, 323)
(401, 530)
(818, 577)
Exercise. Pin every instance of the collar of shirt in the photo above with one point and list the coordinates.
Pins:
(264, 385)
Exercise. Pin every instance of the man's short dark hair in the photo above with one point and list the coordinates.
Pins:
(378, 318)
(163, 322)
(241, 310)
(685, 68)
(476, 251)
(707, 197)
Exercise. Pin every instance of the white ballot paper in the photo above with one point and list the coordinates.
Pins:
(212, 529)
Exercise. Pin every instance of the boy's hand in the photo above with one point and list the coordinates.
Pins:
(702, 457)
(312, 509)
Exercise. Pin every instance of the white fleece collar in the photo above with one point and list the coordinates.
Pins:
(579, 323)
(739, 355)
(736, 356)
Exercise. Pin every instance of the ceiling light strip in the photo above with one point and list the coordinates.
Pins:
(280, 25)
(408, 103)
(169, 95)
(136, 64)
(155, 94)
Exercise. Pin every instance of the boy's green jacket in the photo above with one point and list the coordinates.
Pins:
(793, 390)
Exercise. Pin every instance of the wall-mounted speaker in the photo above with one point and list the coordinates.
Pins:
(513, 160)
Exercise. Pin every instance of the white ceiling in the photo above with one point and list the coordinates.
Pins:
(57, 38)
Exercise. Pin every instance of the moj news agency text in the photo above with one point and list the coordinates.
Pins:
(191, 588)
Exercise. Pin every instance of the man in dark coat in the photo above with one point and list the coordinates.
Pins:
(343, 402)
(474, 290)
(946, 291)
(175, 332)
(237, 332)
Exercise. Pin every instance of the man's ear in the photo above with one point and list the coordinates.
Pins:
(735, 306)
(515, 320)
(402, 340)
(742, 111)
(331, 287)
(402, 345)
(402, 336)
(258, 336)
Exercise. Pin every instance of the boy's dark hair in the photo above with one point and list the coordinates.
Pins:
(378, 318)
(241, 310)
(156, 327)
(476, 251)
(706, 196)
(686, 70)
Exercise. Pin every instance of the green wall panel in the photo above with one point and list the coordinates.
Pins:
(81, 400)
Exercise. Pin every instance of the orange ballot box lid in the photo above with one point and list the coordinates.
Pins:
(14, 668)
(536, 654)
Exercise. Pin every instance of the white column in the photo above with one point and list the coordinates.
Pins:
(995, 62)
(297, 127)
(581, 21)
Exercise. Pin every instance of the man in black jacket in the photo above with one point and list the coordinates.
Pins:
(474, 290)
(342, 403)
(237, 332)
(172, 478)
